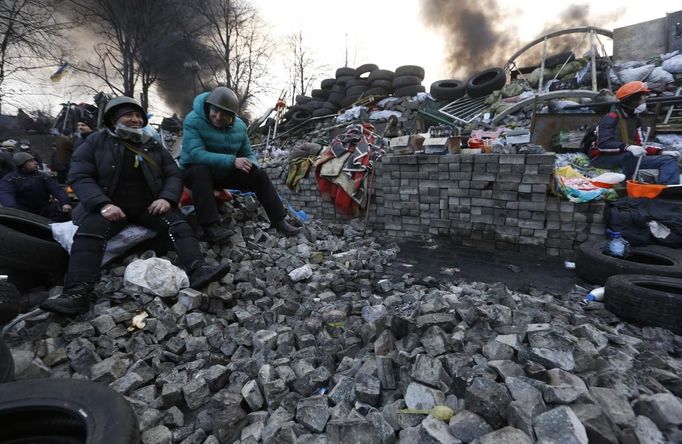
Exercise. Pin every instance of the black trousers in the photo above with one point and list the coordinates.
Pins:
(199, 179)
(94, 231)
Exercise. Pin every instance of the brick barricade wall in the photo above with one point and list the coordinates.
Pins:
(495, 201)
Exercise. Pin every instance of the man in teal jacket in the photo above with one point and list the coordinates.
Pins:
(216, 153)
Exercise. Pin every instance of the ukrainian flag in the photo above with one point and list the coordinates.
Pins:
(57, 76)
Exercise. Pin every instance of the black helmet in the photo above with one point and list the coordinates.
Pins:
(120, 103)
(224, 98)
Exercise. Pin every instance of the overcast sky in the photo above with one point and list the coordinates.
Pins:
(388, 33)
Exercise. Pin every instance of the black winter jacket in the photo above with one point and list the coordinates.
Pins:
(30, 192)
(610, 135)
(96, 168)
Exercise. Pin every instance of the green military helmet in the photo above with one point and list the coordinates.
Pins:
(225, 99)
(118, 103)
(21, 158)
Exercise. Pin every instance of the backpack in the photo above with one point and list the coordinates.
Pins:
(589, 139)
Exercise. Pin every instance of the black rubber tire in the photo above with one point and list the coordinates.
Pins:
(319, 94)
(348, 101)
(336, 98)
(305, 107)
(300, 116)
(26, 243)
(345, 72)
(6, 363)
(289, 112)
(302, 100)
(327, 84)
(449, 89)
(381, 74)
(377, 92)
(559, 59)
(356, 82)
(367, 68)
(402, 81)
(410, 70)
(343, 80)
(409, 91)
(595, 266)
(355, 90)
(10, 302)
(319, 112)
(485, 82)
(645, 299)
(315, 104)
(381, 83)
(65, 408)
(338, 88)
(332, 106)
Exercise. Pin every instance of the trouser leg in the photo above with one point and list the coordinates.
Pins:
(174, 225)
(258, 182)
(198, 178)
(667, 166)
(87, 250)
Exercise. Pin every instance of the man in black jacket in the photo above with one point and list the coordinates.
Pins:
(121, 176)
(30, 190)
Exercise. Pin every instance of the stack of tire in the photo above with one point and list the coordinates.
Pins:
(480, 84)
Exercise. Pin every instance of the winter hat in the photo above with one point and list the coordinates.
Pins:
(121, 110)
(21, 158)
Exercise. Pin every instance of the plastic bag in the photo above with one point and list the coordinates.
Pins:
(157, 276)
(660, 75)
(673, 64)
(634, 74)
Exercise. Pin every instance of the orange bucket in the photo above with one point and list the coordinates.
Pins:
(647, 190)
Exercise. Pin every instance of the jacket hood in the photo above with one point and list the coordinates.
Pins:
(198, 105)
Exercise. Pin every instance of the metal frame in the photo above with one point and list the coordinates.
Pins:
(465, 109)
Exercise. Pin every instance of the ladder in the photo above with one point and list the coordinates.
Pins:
(672, 109)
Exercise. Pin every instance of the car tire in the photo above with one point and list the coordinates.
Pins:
(345, 72)
(410, 70)
(485, 82)
(356, 82)
(300, 116)
(65, 410)
(381, 83)
(381, 74)
(402, 81)
(449, 89)
(327, 84)
(6, 363)
(26, 243)
(367, 68)
(409, 91)
(595, 266)
(377, 92)
(348, 101)
(318, 94)
(336, 98)
(645, 299)
(355, 90)
(302, 100)
(319, 112)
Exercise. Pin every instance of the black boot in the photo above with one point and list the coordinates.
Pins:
(71, 302)
(285, 228)
(216, 234)
(202, 274)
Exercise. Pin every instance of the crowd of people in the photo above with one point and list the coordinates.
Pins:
(120, 175)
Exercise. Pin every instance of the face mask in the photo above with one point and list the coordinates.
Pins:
(640, 108)
(135, 135)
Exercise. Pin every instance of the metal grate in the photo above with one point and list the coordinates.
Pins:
(465, 109)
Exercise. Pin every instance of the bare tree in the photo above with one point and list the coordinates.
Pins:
(236, 35)
(300, 64)
(29, 37)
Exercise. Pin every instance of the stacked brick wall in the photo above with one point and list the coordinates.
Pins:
(491, 201)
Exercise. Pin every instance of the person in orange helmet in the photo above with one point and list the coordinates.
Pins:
(620, 138)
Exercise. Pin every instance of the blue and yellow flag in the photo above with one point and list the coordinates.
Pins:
(57, 76)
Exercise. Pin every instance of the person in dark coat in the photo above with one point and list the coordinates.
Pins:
(6, 160)
(620, 139)
(30, 190)
(120, 177)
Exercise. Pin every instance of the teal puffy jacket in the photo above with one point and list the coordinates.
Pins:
(204, 144)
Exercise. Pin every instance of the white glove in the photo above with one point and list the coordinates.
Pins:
(636, 150)
(675, 154)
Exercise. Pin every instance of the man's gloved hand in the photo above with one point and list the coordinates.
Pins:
(675, 154)
(636, 150)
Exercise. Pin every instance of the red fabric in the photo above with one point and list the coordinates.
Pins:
(221, 196)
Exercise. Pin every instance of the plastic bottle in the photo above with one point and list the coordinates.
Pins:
(595, 295)
(618, 247)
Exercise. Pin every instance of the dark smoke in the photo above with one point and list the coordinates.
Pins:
(475, 34)
(478, 36)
